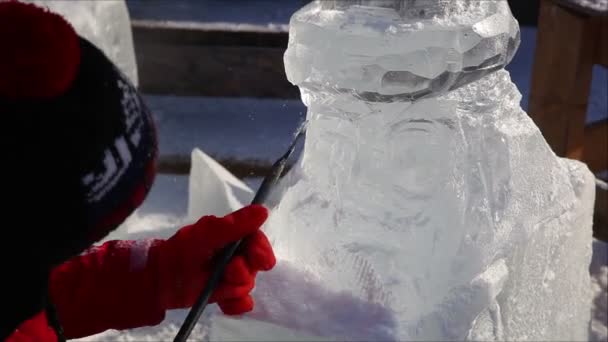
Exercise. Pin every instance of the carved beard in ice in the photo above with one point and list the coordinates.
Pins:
(423, 186)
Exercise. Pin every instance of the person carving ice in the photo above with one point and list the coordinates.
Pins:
(80, 149)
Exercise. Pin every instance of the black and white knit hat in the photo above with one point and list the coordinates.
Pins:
(80, 145)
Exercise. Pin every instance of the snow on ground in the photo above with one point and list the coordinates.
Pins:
(166, 331)
(164, 211)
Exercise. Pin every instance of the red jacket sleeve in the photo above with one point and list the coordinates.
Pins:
(108, 287)
(35, 329)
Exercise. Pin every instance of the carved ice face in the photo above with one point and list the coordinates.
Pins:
(397, 153)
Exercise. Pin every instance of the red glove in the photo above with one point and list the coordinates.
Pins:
(130, 284)
(184, 262)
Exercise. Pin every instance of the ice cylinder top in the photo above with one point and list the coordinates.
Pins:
(398, 50)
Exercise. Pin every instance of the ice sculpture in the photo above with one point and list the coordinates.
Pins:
(213, 190)
(424, 187)
(105, 23)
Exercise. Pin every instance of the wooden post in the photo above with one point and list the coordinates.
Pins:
(602, 39)
(596, 146)
(561, 78)
(600, 214)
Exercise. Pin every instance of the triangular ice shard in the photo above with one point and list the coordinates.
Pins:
(213, 189)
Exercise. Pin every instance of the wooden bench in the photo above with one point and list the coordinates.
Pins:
(211, 59)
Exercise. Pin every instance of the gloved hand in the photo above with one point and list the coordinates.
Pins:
(184, 262)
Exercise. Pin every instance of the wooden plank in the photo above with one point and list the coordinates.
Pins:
(561, 78)
(602, 40)
(596, 146)
(187, 33)
(211, 60)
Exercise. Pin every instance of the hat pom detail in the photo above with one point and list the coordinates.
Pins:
(39, 52)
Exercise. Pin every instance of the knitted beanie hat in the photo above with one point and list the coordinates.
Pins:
(80, 145)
